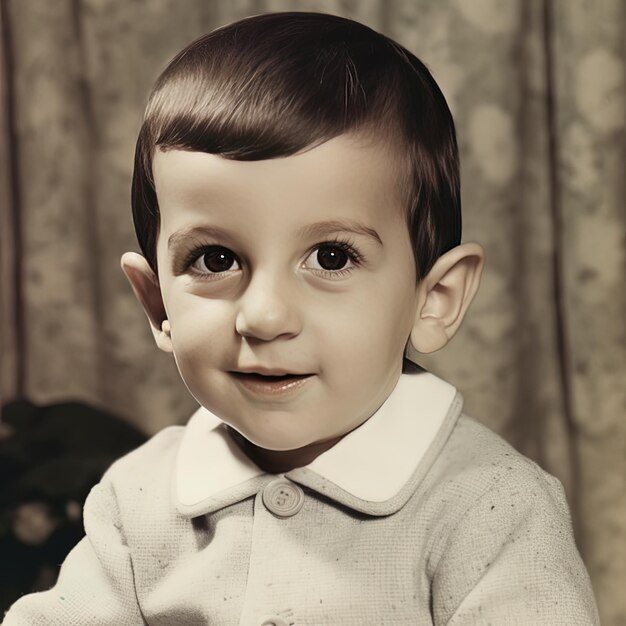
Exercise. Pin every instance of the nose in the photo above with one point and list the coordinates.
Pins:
(268, 309)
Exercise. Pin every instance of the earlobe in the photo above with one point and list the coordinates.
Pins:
(444, 296)
(147, 290)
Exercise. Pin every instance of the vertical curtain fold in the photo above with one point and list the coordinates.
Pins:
(11, 319)
(589, 42)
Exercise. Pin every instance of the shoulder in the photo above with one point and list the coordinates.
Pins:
(479, 482)
(478, 460)
(493, 473)
(158, 451)
(505, 541)
(139, 481)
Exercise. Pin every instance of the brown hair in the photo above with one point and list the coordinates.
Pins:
(274, 84)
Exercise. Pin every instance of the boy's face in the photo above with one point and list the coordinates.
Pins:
(268, 285)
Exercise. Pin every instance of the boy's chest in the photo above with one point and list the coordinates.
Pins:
(259, 562)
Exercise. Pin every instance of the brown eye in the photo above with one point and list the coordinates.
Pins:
(218, 260)
(336, 259)
(331, 257)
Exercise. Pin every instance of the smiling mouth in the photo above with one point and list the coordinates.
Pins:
(268, 379)
(272, 386)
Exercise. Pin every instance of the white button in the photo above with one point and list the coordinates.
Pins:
(282, 498)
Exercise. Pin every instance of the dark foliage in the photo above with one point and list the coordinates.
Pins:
(50, 458)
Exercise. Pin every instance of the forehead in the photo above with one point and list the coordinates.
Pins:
(345, 177)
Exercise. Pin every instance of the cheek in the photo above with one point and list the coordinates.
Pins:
(372, 327)
(201, 328)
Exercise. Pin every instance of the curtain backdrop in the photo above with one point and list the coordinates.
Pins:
(537, 88)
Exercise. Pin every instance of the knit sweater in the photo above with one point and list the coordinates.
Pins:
(419, 516)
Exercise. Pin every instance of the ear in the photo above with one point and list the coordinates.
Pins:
(444, 295)
(148, 292)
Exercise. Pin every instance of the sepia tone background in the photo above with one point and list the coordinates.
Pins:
(537, 88)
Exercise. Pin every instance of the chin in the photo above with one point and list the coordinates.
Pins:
(280, 442)
(278, 446)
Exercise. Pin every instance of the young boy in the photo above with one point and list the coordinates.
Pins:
(296, 200)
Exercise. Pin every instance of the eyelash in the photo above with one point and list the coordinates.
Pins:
(343, 244)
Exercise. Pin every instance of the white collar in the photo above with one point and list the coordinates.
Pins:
(368, 469)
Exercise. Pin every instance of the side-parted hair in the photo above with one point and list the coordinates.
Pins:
(274, 84)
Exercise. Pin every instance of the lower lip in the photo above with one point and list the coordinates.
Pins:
(268, 387)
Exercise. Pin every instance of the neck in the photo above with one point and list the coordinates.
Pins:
(280, 461)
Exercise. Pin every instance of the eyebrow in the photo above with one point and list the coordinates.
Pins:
(319, 229)
(178, 237)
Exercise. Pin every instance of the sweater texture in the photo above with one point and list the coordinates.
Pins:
(420, 516)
